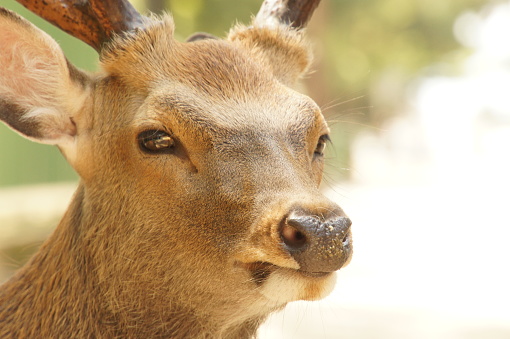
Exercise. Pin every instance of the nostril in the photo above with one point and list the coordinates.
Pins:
(345, 240)
(292, 237)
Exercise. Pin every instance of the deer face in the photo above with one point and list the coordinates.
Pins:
(200, 168)
(219, 162)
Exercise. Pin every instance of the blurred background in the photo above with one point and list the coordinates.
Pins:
(416, 92)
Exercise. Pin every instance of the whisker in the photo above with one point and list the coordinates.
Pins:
(336, 104)
(357, 123)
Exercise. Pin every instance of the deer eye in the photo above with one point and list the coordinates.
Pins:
(321, 145)
(154, 141)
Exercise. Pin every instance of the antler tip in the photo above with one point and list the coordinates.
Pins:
(294, 13)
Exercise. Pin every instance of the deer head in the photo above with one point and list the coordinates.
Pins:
(198, 211)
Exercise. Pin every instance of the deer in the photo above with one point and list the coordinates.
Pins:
(198, 211)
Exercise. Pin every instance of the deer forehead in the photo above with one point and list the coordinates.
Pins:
(208, 87)
(215, 67)
(282, 109)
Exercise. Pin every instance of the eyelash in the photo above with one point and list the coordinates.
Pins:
(321, 145)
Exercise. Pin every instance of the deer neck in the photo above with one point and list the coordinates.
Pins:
(54, 292)
(68, 299)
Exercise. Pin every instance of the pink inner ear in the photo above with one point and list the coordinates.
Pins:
(10, 65)
(29, 65)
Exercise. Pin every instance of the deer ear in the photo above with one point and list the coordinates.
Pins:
(200, 36)
(281, 48)
(40, 92)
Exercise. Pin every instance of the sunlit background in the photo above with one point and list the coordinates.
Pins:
(417, 94)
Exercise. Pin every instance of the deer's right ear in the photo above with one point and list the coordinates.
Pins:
(40, 92)
(282, 49)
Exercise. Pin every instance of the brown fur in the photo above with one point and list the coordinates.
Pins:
(164, 245)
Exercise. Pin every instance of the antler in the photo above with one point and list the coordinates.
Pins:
(295, 13)
(96, 21)
(92, 21)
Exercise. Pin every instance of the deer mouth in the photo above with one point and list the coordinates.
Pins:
(260, 271)
(280, 285)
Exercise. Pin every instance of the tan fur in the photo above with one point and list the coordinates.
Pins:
(162, 245)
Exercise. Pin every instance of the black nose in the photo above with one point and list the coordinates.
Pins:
(317, 245)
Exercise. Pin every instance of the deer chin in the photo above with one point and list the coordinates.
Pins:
(281, 285)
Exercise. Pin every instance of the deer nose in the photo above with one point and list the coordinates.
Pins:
(317, 245)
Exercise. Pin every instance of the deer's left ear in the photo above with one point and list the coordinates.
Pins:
(282, 49)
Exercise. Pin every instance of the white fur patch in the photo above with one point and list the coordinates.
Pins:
(286, 285)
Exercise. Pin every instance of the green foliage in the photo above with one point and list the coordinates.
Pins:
(367, 41)
(26, 162)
